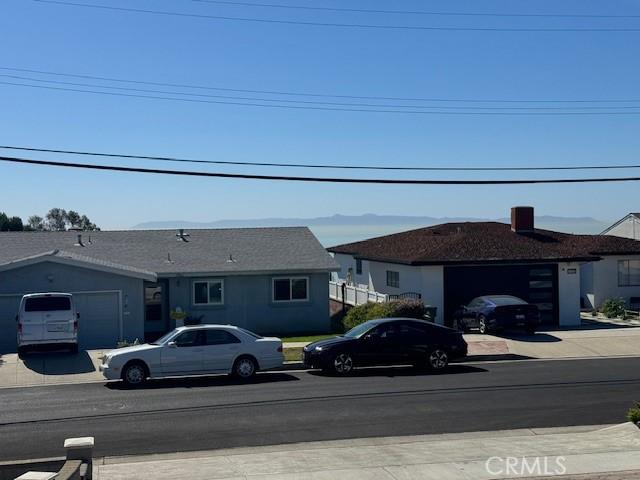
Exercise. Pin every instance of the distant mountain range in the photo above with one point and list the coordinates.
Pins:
(348, 228)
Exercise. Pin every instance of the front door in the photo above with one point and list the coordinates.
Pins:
(184, 355)
(381, 346)
(155, 315)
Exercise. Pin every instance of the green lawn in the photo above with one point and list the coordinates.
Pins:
(309, 338)
(292, 354)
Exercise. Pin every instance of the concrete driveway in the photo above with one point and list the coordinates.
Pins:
(43, 368)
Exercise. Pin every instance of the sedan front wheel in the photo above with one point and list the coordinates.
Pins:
(134, 374)
(342, 364)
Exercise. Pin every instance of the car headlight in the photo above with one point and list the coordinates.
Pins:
(318, 349)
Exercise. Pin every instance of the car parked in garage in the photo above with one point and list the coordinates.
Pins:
(388, 341)
(195, 350)
(47, 319)
(494, 313)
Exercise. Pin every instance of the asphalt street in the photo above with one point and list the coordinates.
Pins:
(282, 407)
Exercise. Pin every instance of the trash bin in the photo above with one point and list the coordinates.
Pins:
(430, 313)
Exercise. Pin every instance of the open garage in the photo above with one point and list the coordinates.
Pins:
(535, 283)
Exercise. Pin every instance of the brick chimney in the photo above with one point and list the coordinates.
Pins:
(522, 219)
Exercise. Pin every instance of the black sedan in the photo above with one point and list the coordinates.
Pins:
(494, 313)
(389, 341)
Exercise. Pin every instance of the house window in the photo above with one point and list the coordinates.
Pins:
(628, 273)
(208, 292)
(358, 266)
(293, 289)
(393, 279)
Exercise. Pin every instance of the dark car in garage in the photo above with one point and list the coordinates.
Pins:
(389, 341)
(494, 313)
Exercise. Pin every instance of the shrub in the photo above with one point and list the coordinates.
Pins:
(363, 313)
(633, 415)
(369, 311)
(406, 308)
(613, 308)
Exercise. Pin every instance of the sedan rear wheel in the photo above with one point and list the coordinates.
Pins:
(342, 363)
(244, 368)
(438, 359)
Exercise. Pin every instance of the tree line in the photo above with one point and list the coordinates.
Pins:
(56, 219)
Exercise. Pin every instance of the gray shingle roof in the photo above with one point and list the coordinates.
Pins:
(284, 249)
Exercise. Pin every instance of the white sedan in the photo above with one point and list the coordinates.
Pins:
(195, 350)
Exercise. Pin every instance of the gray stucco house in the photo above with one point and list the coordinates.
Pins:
(129, 284)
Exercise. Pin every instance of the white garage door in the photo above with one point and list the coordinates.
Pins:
(8, 329)
(98, 327)
(99, 324)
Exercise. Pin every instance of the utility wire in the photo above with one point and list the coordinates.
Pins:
(341, 25)
(307, 94)
(308, 165)
(288, 178)
(312, 102)
(413, 12)
(323, 108)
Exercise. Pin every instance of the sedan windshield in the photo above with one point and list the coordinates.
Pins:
(359, 330)
(163, 339)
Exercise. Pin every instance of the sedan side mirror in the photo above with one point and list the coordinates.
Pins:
(172, 345)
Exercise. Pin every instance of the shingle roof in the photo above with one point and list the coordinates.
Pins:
(252, 250)
(475, 242)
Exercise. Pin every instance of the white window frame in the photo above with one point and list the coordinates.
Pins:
(208, 282)
(628, 262)
(291, 299)
(397, 273)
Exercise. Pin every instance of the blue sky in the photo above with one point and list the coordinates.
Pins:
(406, 63)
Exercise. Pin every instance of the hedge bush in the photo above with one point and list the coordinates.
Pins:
(614, 308)
(370, 311)
(633, 415)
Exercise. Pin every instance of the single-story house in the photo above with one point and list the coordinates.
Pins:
(627, 227)
(130, 284)
(449, 264)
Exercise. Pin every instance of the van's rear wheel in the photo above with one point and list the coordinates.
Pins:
(134, 374)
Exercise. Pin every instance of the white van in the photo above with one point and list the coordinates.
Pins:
(47, 319)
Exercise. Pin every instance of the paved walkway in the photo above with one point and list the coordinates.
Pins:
(579, 450)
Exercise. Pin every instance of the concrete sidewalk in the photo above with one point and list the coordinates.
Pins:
(579, 450)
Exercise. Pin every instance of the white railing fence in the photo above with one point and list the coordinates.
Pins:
(355, 294)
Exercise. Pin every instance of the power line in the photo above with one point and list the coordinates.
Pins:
(414, 12)
(288, 178)
(308, 165)
(341, 25)
(323, 108)
(311, 102)
(307, 94)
